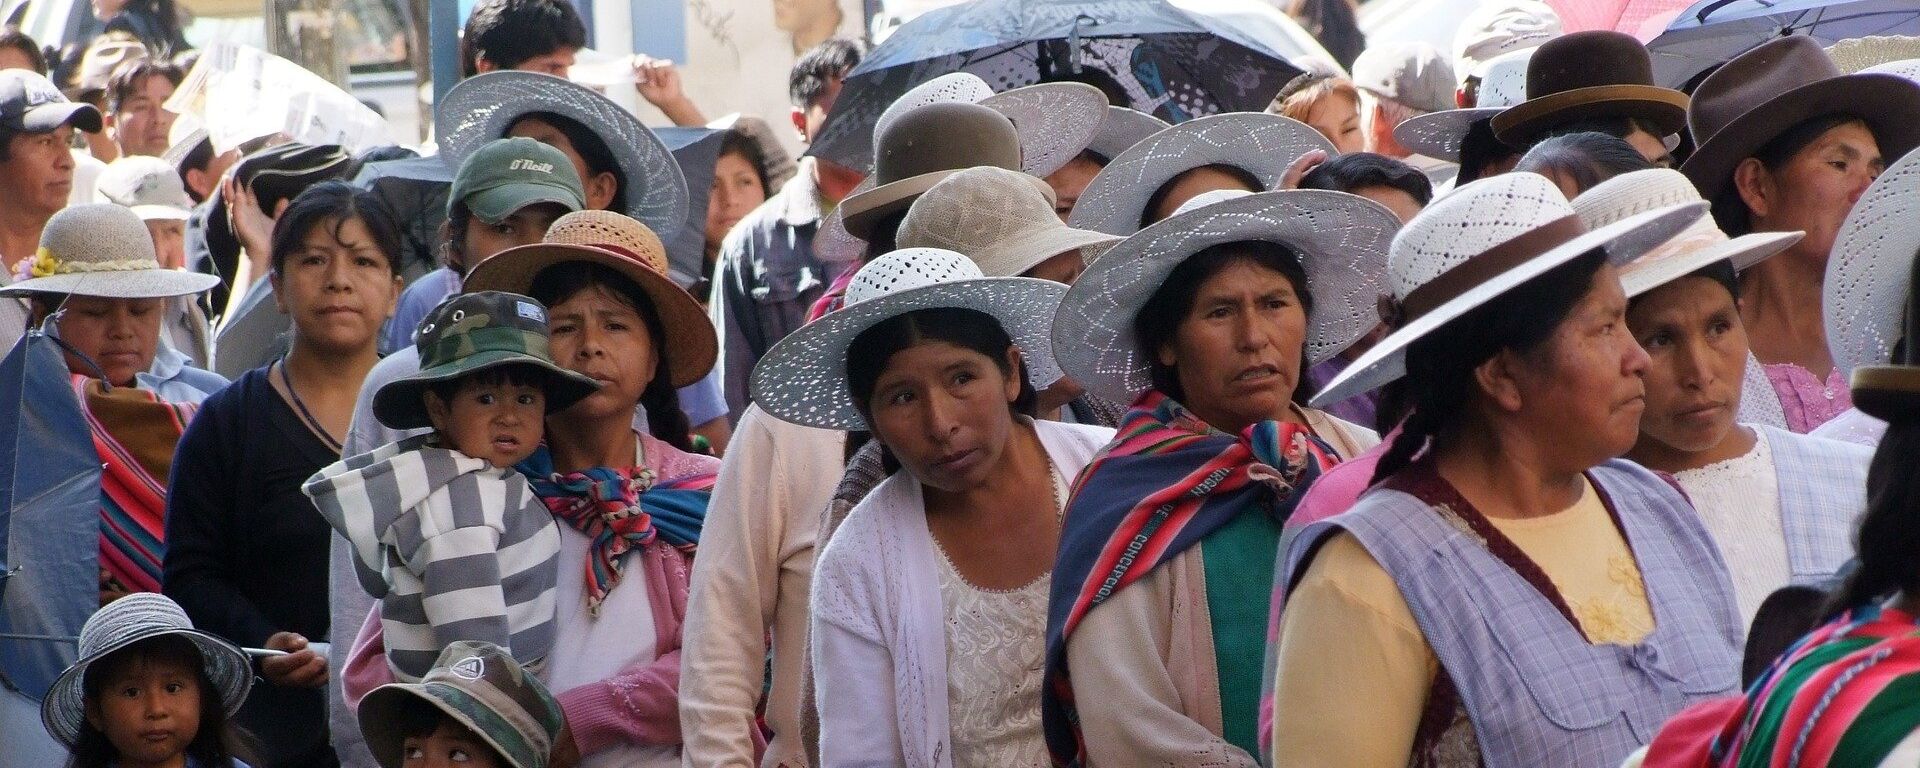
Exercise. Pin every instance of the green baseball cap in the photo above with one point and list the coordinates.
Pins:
(507, 175)
(479, 686)
(470, 333)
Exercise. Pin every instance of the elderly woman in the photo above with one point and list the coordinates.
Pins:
(246, 550)
(1207, 323)
(1788, 143)
(629, 503)
(1507, 588)
(1148, 181)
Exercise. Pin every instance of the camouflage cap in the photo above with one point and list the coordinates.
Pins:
(473, 332)
(478, 685)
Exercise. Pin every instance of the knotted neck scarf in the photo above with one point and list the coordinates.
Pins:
(619, 509)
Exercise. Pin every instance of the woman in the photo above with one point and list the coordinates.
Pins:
(1786, 142)
(929, 602)
(246, 550)
(1244, 151)
(1207, 323)
(1507, 594)
(1328, 103)
(739, 186)
(1575, 162)
(629, 503)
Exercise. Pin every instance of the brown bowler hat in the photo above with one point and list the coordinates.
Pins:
(925, 146)
(1764, 92)
(1590, 74)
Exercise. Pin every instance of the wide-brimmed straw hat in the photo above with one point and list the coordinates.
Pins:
(1124, 128)
(1907, 68)
(1261, 144)
(1869, 273)
(482, 108)
(924, 146)
(1439, 134)
(1860, 54)
(103, 250)
(1341, 241)
(803, 379)
(1477, 243)
(625, 246)
(1766, 91)
(1598, 73)
(121, 623)
(473, 332)
(477, 685)
(1700, 245)
(995, 217)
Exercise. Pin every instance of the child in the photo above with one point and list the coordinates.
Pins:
(444, 531)
(149, 690)
(475, 707)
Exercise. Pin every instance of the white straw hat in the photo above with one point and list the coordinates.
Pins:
(1700, 245)
(995, 217)
(1124, 128)
(1907, 68)
(148, 185)
(1479, 242)
(1859, 54)
(1341, 241)
(123, 622)
(1497, 27)
(102, 249)
(803, 379)
(1438, 134)
(1870, 270)
(1261, 144)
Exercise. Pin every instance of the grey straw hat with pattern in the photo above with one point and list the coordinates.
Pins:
(103, 250)
(474, 332)
(1124, 128)
(995, 217)
(122, 623)
(1870, 272)
(1261, 144)
(477, 685)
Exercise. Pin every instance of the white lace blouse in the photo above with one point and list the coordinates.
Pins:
(1739, 501)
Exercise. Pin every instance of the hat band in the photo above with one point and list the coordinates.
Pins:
(1488, 264)
(45, 264)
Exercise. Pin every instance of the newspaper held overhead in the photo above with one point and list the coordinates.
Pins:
(242, 93)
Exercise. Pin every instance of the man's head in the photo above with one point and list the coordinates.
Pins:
(506, 194)
(135, 92)
(1400, 81)
(18, 51)
(532, 35)
(36, 130)
(153, 190)
(814, 83)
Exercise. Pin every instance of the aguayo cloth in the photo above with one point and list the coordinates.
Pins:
(1167, 482)
(134, 432)
(620, 509)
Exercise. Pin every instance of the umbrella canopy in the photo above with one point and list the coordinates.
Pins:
(1712, 32)
(1617, 15)
(1176, 60)
(695, 150)
(49, 515)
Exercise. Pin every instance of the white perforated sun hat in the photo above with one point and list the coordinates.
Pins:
(103, 250)
(803, 379)
(1700, 245)
(1341, 241)
(1261, 144)
(1124, 128)
(993, 216)
(1907, 68)
(1438, 134)
(1479, 242)
(1869, 273)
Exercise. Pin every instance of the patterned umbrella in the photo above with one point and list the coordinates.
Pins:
(1712, 32)
(1174, 59)
(1618, 15)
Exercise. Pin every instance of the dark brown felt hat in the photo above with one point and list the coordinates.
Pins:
(924, 147)
(1767, 91)
(1590, 74)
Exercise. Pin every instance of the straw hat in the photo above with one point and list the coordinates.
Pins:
(995, 217)
(482, 108)
(923, 147)
(1499, 27)
(1700, 245)
(630, 248)
(123, 622)
(1597, 73)
(1862, 53)
(1122, 129)
(1055, 120)
(1479, 242)
(1870, 270)
(103, 250)
(1907, 68)
(803, 379)
(1439, 134)
(479, 686)
(1766, 91)
(1258, 143)
(1341, 240)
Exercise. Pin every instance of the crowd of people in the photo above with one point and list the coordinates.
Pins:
(1495, 407)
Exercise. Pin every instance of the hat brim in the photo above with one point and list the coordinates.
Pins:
(1014, 256)
(481, 109)
(1260, 144)
(803, 379)
(1439, 134)
(692, 345)
(1870, 271)
(1342, 241)
(131, 284)
(1623, 241)
(1890, 393)
(1744, 251)
(860, 212)
(64, 708)
(1124, 128)
(161, 213)
(1522, 123)
(1887, 103)
(380, 723)
(399, 405)
(1054, 121)
(50, 116)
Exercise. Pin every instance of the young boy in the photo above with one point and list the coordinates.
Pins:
(443, 530)
(475, 708)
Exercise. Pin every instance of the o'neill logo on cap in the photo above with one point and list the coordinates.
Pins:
(470, 668)
(524, 164)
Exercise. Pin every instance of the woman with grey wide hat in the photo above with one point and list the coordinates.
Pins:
(1869, 279)
(1787, 142)
(1246, 151)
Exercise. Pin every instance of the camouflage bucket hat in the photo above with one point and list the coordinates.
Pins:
(473, 332)
(479, 686)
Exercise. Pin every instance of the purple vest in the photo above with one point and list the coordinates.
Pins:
(1537, 693)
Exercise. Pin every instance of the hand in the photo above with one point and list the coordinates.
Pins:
(251, 225)
(658, 81)
(565, 754)
(300, 668)
(1305, 164)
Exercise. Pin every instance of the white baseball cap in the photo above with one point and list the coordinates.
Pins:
(148, 185)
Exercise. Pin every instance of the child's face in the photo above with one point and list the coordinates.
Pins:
(499, 422)
(149, 711)
(449, 744)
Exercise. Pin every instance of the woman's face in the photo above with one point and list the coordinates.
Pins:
(600, 335)
(119, 335)
(1583, 386)
(1192, 184)
(1692, 333)
(1816, 189)
(942, 409)
(1237, 351)
(338, 287)
(1337, 117)
(736, 192)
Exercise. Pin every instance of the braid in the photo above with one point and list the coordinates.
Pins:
(1890, 529)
